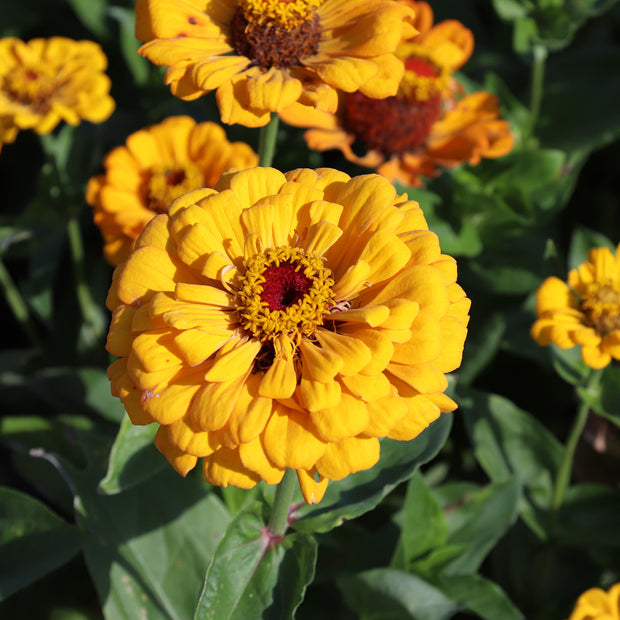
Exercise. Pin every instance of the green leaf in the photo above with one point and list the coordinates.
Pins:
(148, 548)
(480, 596)
(133, 458)
(138, 66)
(582, 241)
(252, 575)
(424, 526)
(479, 521)
(358, 493)
(92, 14)
(603, 397)
(588, 518)
(33, 540)
(389, 594)
(510, 443)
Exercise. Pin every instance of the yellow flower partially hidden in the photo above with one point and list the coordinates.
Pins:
(46, 81)
(262, 56)
(286, 321)
(596, 604)
(428, 124)
(585, 312)
(157, 165)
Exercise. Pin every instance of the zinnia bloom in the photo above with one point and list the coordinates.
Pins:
(428, 123)
(585, 312)
(45, 81)
(157, 165)
(286, 321)
(264, 55)
(596, 604)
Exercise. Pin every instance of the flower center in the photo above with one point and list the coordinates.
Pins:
(165, 183)
(30, 87)
(601, 305)
(392, 126)
(276, 33)
(284, 291)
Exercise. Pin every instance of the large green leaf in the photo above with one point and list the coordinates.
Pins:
(133, 457)
(147, 548)
(480, 596)
(588, 517)
(358, 493)
(33, 540)
(389, 594)
(253, 575)
(478, 521)
(510, 443)
(423, 524)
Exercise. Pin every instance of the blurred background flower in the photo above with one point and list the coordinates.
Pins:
(157, 165)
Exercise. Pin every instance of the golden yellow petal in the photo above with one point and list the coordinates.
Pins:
(348, 456)
(321, 236)
(425, 343)
(380, 345)
(214, 403)
(347, 419)
(425, 378)
(312, 490)
(120, 334)
(422, 411)
(209, 74)
(196, 345)
(170, 404)
(368, 388)
(319, 364)
(314, 395)
(291, 439)
(225, 467)
(183, 463)
(155, 350)
(254, 458)
(594, 357)
(454, 335)
(280, 380)
(196, 443)
(251, 412)
(384, 414)
(354, 352)
(233, 362)
(273, 90)
(352, 280)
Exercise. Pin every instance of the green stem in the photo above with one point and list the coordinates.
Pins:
(536, 86)
(85, 300)
(267, 141)
(278, 521)
(566, 466)
(18, 305)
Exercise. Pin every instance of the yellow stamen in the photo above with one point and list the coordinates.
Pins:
(297, 319)
(166, 183)
(285, 13)
(601, 304)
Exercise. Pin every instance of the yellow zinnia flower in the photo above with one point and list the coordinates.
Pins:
(265, 55)
(157, 165)
(45, 81)
(596, 604)
(586, 311)
(428, 123)
(286, 321)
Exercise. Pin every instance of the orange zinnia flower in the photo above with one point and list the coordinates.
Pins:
(46, 81)
(286, 321)
(585, 312)
(427, 124)
(265, 55)
(157, 165)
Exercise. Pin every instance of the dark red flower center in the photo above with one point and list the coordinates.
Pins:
(270, 45)
(393, 125)
(283, 286)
